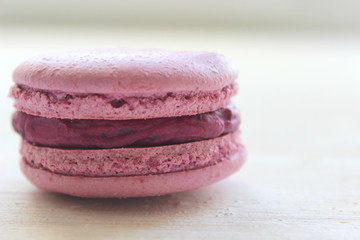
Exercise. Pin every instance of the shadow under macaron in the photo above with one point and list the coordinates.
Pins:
(89, 218)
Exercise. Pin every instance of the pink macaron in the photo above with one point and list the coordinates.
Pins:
(127, 123)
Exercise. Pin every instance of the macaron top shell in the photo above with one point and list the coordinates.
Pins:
(126, 72)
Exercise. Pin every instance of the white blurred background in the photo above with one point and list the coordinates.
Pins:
(299, 96)
(270, 14)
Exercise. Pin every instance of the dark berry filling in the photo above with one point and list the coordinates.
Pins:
(93, 134)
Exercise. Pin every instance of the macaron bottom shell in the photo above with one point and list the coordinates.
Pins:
(133, 186)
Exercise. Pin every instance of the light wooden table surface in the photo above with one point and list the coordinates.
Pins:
(300, 102)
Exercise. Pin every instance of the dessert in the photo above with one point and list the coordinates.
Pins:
(127, 123)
